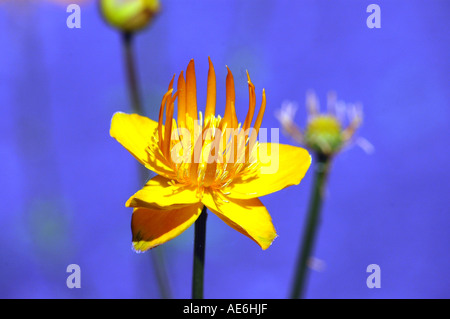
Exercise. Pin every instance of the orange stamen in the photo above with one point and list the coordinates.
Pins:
(181, 87)
(230, 111)
(168, 126)
(161, 115)
(211, 93)
(191, 91)
(251, 106)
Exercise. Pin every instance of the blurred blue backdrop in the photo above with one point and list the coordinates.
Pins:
(64, 180)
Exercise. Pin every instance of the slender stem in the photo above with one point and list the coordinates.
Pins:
(199, 255)
(320, 177)
(133, 87)
(159, 266)
(157, 254)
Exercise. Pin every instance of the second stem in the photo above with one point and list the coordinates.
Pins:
(157, 255)
(320, 177)
(131, 73)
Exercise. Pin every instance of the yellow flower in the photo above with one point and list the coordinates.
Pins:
(129, 15)
(205, 161)
(325, 132)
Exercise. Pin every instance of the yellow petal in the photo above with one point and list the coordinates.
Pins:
(158, 193)
(247, 216)
(152, 227)
(138, 134)
(280, 166)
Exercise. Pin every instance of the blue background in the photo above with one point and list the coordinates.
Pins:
(64, 181)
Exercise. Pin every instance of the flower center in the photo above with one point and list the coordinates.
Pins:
(211, 155)
(209, 151)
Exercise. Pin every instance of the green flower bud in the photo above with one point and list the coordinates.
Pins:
(129, 15)
(324, 134)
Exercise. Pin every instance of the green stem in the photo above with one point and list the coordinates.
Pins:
(157, 254)
(133, 87)
(320, 177)
(199, 255)
(159, 266)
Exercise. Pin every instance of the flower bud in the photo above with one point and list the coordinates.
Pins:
(324, 134)
(129, 15)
